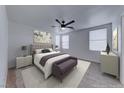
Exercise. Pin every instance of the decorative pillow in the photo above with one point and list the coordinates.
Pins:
(45, 50)
(51, 50)
(38, 51)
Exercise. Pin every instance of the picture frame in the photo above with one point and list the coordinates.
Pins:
(41, 37)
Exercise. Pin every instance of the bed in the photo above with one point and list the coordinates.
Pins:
(47, 68)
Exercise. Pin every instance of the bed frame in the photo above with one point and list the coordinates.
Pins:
(39, 46)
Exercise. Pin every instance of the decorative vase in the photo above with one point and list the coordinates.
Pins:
(107, 48)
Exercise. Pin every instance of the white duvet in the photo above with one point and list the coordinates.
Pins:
(47, 69)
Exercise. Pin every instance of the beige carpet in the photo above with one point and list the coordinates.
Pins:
(33, 78)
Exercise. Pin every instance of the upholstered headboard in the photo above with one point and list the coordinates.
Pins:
(39, 46)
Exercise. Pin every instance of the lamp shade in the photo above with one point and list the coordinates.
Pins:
(24, 47)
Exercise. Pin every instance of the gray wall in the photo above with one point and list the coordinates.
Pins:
(79, 43)
(3, 46)
(18, 35)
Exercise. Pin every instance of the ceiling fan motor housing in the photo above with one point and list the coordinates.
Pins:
(63, 24)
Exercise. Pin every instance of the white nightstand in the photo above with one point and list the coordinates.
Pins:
(23, 61)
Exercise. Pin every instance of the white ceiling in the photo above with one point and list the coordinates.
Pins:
(44, 16)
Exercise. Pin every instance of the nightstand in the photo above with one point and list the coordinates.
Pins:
(23, 61)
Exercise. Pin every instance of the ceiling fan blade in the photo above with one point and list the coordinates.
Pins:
(70, 27)
(53, 26)
(58, 21)
(69, 22)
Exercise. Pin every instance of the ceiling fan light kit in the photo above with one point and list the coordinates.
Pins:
(63, 28)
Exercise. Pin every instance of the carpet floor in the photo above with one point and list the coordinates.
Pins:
(93, 78)
(33, 78)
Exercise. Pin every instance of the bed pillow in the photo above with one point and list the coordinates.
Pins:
(38, 51)
(51, 50)
(45, 51)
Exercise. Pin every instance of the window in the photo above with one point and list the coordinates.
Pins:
(65, 41)
(98, 39)
(57, 41)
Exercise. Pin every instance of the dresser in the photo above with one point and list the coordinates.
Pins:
(23, 61)
(110, 63)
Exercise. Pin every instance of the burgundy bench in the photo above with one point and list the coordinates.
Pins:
(61, 68)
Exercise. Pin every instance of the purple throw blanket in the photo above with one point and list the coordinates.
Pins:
(45, 58)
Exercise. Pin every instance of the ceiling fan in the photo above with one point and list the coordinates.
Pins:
(64, 25)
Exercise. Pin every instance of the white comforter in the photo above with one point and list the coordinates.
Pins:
(47, 69)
